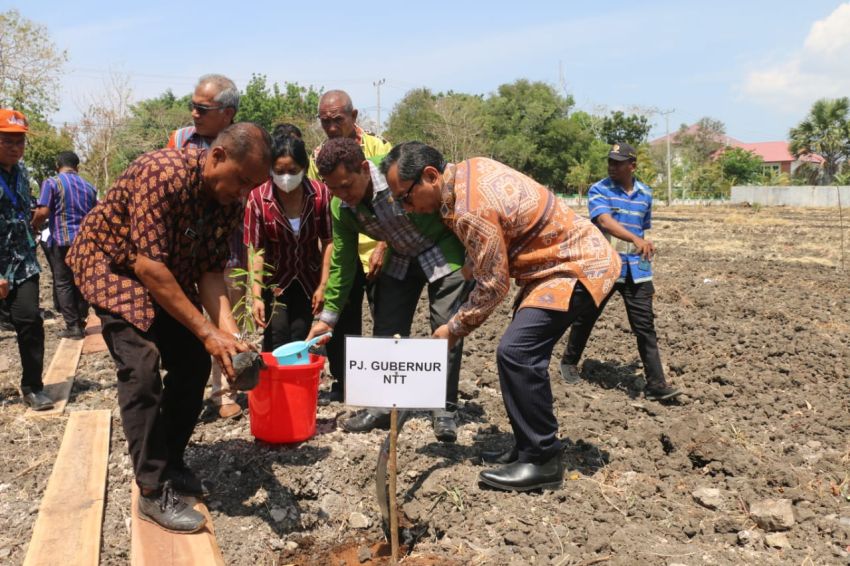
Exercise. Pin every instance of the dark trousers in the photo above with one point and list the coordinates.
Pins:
(523, 358)
(49, 257)
(73, 307)
(22, 304)
(350, 323)
(637, 298)
(395, 305)
(158, 414)
(291, 317)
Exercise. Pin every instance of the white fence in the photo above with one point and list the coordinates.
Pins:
(806, 196)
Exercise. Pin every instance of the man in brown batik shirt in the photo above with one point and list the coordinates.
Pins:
(147, 258)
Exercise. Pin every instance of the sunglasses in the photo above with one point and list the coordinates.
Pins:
(203, 108)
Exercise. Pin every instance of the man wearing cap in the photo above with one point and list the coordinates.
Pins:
(147, 257)
(512, 227)
(214, 103)
(338, 118)
(621, 206)
(19, 270)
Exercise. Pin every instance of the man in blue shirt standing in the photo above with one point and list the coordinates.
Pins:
(621, 206)
(65, 200)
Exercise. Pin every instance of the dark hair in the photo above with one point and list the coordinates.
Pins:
(67, 159)
(286, 145)
(339, 150)
(287, 129)
(241, 138)
(412, 157)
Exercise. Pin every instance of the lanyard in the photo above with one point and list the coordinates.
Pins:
(12, 196)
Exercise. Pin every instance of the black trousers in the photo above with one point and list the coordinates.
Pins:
(49, 257)
(350, 323)
(291, 318)
(158, 414)
(522, 358)
(637, 298)
(22, 304)
(73, 307)
(395, 305)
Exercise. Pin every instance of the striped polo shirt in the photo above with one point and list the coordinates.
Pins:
(632, 210)
(69, 198)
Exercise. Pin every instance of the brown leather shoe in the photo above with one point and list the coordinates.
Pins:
(229, 411)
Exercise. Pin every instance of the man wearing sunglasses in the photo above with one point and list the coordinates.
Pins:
(512, 227)
(338, 118)
(214, 104)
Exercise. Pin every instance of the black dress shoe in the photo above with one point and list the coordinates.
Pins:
(570, 373)
(521, 476)
(660, 392)
(445, 427)
(38, 400)
(186, 482)
(73, 333)
(170, 511)
(508, 456)
(364, 421)
(332, 396)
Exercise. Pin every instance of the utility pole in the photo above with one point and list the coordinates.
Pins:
(377, 84)
(666, 115)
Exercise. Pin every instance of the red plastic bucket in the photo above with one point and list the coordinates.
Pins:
(283, 405)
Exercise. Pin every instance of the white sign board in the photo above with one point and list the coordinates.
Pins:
(406, 373)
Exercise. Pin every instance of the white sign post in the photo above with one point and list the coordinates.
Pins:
(395, 373)
(402, 373)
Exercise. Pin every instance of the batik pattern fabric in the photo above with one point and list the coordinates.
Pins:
(18, 261)
(513, 226)
(157, 209)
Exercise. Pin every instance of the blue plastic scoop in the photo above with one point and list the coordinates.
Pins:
(298, 352)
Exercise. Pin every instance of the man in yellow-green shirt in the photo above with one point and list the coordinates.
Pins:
(339, 120)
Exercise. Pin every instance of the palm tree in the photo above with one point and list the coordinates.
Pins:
(825, 132)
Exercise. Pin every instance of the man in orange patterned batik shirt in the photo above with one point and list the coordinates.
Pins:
(512, 226)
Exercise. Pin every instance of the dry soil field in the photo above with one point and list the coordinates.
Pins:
(753, 316)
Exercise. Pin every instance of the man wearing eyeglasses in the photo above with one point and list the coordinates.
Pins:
(338, 118)
(422, 253)
(214, 104)
(19, 270)
(512, 227)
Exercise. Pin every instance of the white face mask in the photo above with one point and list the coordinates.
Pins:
(286, 182)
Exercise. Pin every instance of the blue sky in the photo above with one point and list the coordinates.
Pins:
(756, 65)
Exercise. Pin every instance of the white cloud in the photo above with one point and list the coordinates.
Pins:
(819, 69)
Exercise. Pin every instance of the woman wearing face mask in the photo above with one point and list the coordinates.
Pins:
(289, 217)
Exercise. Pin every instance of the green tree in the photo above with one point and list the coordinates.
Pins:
(44, 143)
(30, 66)
(698, 145)
(825, 132)
(413, 118)
(740, 166)
(270, 105)
(618, 127)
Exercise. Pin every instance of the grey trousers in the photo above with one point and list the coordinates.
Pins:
(395, 305)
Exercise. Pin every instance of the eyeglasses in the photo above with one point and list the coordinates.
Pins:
(328, 120)
(203, 108)
(13, 142)
(405, 198)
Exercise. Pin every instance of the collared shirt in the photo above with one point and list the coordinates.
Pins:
(69, 198)
(374, 148)
(295, 256)
(513, 226)
(156, 208)
(187, 137)
(18, 261)
(632, 210)
(422, 237)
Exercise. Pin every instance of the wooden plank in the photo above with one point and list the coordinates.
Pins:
(93, 341)
(153, 546)
(60, 377)
(68, 528)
